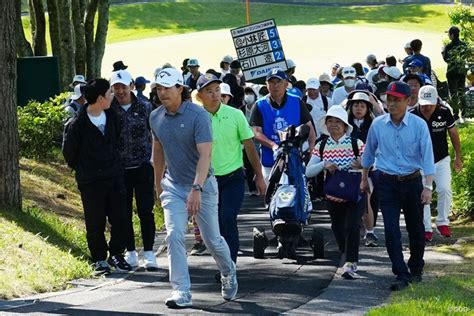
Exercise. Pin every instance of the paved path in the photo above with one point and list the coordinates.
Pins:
(313, 48)
(266, 286)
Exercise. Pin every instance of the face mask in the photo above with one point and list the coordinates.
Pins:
(349, 83)
(249, 98)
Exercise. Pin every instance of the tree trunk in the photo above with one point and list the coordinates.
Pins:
(10, 192)
(39, 35)
(89, 36)
(78, 24)
(23, 47)
(53, 14)
(101, 34)
(66, 42)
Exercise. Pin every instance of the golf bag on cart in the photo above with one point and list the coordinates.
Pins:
(287, 194)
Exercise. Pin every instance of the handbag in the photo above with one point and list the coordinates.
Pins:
(342, 186)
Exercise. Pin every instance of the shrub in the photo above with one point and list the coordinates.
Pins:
(463, 183)
(40, 126)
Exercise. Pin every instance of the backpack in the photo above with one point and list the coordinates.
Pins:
(323, 97)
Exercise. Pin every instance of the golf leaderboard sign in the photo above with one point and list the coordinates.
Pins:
(259, 49)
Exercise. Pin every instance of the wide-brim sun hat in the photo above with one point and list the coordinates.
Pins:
(336, 111)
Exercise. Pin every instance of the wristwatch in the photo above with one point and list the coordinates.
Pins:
(429, 187)
(197, 187)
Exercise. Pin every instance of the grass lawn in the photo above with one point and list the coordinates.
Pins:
(44, 246)
(449, 289)
(137, 21)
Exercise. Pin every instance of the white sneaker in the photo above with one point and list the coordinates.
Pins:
(179, 299)
(149, 261)
(229, 284)
(132, 258)
(349, 271)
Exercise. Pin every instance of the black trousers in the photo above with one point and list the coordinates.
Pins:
(345, 220)
(102, 200)
(457, 85)
(140, 182)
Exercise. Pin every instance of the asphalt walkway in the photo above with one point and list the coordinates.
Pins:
(266, 286)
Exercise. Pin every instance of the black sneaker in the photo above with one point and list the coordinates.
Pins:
(101, 267)
(371, 240)
(119, 264)
(399, 284)
(416, 278)
(198, 249)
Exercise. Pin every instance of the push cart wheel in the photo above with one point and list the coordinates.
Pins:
(260, 242)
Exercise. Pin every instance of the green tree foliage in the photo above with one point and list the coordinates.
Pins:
(40, 126)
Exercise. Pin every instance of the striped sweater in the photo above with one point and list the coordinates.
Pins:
(339, 153)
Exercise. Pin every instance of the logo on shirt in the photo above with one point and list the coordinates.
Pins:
(435, 124)
(280, 124)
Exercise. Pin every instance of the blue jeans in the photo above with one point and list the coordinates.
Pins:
(173, 200)
(393, 196)
(231, 195)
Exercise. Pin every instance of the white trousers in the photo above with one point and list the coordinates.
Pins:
(173, 200)
(442, 179)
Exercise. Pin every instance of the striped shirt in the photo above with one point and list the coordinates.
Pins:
(339, 153)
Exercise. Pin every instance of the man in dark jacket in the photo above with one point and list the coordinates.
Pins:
(90, 148)
(135, 150)
(454, 55)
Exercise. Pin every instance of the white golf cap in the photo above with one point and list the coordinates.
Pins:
(348, 72)
(121, 76)
(313, 83)
(169, 77)
(225, 89)
(338, 112)
(428, 95)
(393, 72)
(290, 63)
(77, 92)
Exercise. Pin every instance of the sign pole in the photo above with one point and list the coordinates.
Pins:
(247, 11)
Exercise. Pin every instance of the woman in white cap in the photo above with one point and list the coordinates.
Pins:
(339, 154)
(360, 111)
(226, 95)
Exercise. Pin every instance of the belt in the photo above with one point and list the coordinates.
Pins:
(407, 177)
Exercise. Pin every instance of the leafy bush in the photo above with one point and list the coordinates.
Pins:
(463, 183)
(40, 126)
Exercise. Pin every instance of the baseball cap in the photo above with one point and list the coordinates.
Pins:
(225, 89)
(415, 77)
(360, 96)
(169, 77)
(393, 72)
(371, 59)
(348, 72)
(427, 95)
(205, 80)
(277, 73)
(407, 45)
(193, 63)
(453, 30)
(325, 78)
(290, 63)
(335, 65)
(312, 83)
(235, 64)
(416, 63)
(141, 80)
(398, 89)
(227, 59)
(121, 76)
(77, 91)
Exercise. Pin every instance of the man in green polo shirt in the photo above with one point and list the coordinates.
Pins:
(230, 130)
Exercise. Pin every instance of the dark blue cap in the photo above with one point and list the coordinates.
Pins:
(416, 63)
(277, 73)
(141, 80)
(398, 89)
(206, 79)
